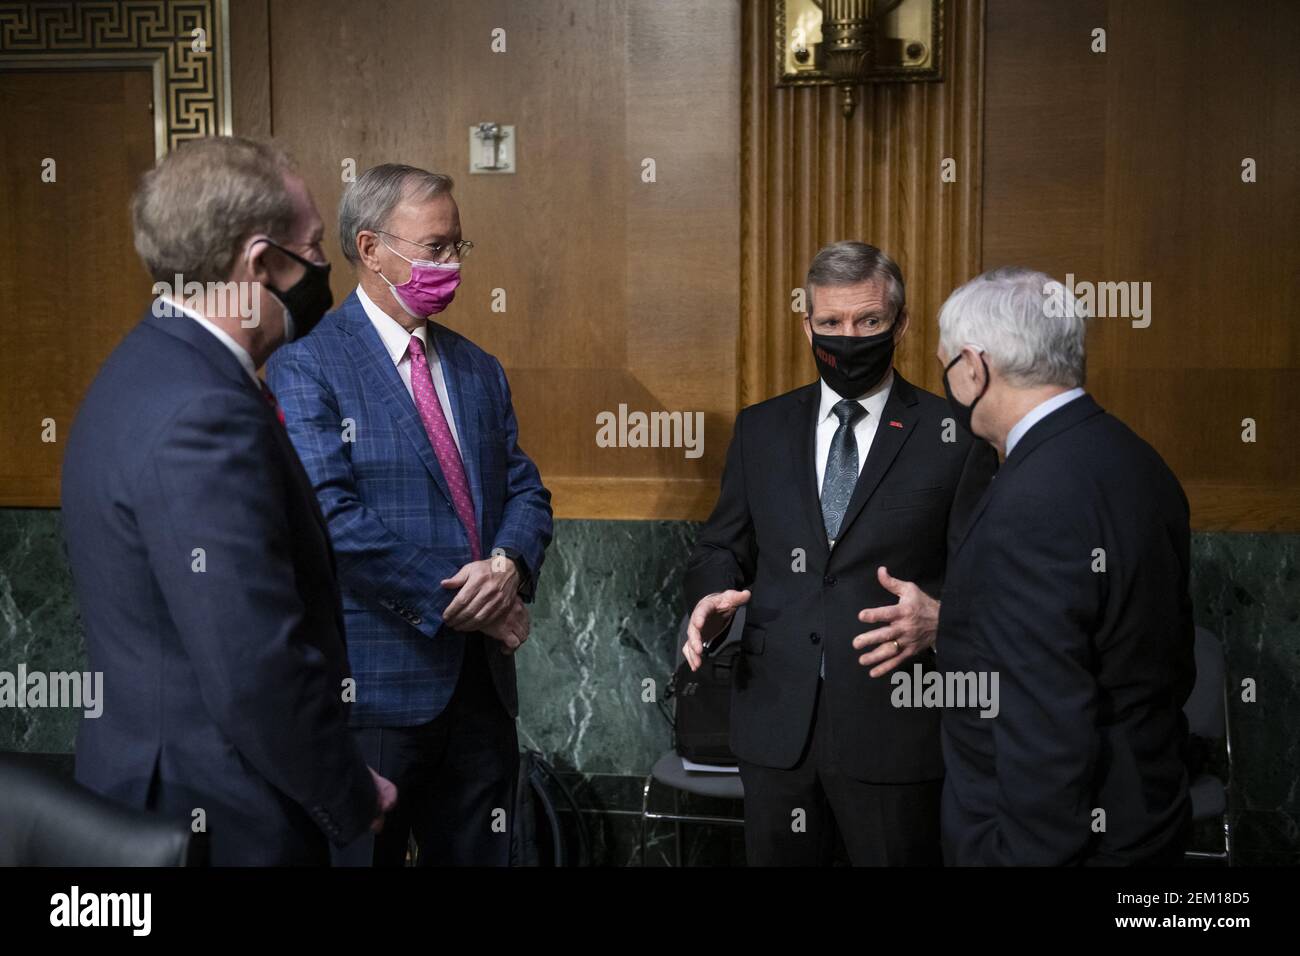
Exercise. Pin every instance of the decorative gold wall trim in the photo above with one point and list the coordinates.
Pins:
(810, 177)
(191, 88)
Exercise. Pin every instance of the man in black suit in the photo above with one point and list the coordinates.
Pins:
(1070, 586)
(201, 562)
(836, 497)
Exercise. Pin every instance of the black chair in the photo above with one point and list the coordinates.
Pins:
(1207, 717)
(49, 820)
(670, 772)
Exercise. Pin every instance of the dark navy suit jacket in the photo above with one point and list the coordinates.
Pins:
(206, 585)
(389, 509)
(1094, 661)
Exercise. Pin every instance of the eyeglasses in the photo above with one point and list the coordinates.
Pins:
(440, 251)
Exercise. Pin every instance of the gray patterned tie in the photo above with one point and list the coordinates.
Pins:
(841, 467)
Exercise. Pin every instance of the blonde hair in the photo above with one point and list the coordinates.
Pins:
(193, 212)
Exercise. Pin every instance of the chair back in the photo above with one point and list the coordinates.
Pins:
(48, 820)
(1205, 707)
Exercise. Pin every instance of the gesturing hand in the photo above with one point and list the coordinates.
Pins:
(910, 626)
(487, 589)
(710, 616)
(385, 797)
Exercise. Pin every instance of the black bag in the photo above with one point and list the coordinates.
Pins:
(537, 838)
(701, 730)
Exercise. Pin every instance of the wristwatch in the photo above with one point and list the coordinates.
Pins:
(525, 580)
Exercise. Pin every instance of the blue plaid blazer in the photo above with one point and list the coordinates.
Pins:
(394, 529)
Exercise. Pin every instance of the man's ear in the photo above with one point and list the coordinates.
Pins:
(900, 326)
(978, 369)
(807, 327)
(254, 262)
(366, 241)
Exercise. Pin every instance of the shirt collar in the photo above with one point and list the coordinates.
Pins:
(873, 401)
(1037, 414)
(240, 353)
(391, 332)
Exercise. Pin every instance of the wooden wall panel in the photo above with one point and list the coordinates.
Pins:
(102, 90)
(250, 68)
(618, 291)
(1126, 167)
(812, 177)
(1044, 137)
(71, 285)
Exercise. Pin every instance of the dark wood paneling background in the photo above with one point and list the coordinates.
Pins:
(618, 291)
(71, 285)
(1126, 166)
(1123, 166)
(812, 177)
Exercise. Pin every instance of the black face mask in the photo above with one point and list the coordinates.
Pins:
(963, 413)
(853, 364)
(307, 300)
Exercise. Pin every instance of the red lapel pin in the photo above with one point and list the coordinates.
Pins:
(894, 424)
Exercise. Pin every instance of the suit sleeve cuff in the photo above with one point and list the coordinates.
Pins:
(527, 586)
(354, 812)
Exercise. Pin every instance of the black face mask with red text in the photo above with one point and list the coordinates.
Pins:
(853, 365)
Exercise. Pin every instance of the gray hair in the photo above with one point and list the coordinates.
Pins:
(852, 263)
(370, 200)
(1029, 325)
(193, 212)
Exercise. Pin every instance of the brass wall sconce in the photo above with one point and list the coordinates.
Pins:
(847, 43)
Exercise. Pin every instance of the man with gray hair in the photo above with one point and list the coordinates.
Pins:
(1071, 584)
(201, 563)
(439, 519)
(838, 500)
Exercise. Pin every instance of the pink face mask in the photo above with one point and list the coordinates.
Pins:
(430, 289)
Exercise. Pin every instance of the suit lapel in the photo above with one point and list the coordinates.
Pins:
(1064, 418)
(381, 375)
(803, 457)
(896, 423)
(979, 510)
(304, 482)
(185, 328)
(188, 330)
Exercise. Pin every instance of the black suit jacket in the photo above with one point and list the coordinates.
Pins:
(206, 585)
(1093, 666)
(769, 513)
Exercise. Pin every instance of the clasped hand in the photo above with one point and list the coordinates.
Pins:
(487, 600)
(485, 590)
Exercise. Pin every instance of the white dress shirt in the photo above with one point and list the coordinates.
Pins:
(1037, 414)
(237, 350)
(864, 432)
(398, 341)
(864, 429)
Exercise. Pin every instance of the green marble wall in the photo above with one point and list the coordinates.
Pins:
(1246, 588)
(38, 625)
(606, 620)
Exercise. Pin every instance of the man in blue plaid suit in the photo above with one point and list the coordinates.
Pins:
(438, 518)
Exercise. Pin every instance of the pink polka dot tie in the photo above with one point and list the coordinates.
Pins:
(444, 446)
